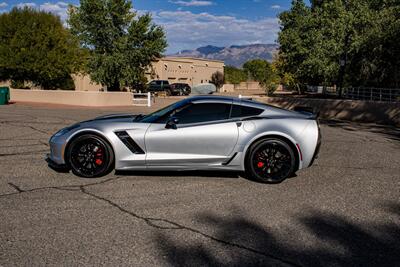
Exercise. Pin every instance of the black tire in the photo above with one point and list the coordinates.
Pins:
(270, 160)
(90, 156)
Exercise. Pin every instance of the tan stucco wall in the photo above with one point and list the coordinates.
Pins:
(228, 87)
(184, 70)
(248, 86)
(84, 83)
(5, 83)
(76, 98)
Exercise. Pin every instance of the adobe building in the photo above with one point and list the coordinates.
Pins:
(192, 71)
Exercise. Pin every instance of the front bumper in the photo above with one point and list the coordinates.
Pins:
(57, 150)
(55, 166)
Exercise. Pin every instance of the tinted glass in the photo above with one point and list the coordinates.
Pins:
(203, 112)
(161, 115)
(159, 82)
(244, 111)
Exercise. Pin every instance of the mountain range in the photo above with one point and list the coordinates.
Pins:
(235, 55)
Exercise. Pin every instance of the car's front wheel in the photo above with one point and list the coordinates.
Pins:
(90, 156)
(270, 160)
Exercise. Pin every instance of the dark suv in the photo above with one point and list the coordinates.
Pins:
(157, 86)
(180, 89)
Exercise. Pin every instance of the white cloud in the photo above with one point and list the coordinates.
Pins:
(4, 4)
(187, 30)
(193, 3)
(60, 9)
(22, 5)
(276, 7)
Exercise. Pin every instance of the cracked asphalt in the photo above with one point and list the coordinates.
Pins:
(343, 211)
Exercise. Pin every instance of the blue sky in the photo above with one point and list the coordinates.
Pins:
(193, 23)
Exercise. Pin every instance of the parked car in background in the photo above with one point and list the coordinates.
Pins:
(180, 89)
(158, 86)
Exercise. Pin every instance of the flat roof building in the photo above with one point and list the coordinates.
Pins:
(192, 71)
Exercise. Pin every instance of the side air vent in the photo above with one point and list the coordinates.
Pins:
(128, 141)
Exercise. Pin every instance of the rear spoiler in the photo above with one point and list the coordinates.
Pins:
(307, 110)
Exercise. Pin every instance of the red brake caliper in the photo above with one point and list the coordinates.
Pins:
(99, 155)
(260, 164)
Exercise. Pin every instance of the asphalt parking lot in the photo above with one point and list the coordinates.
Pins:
(344, 211)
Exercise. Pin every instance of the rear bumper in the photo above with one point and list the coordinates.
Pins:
(317, 148)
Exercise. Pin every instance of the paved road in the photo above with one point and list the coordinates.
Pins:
(344, 211)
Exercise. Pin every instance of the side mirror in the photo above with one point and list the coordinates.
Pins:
(171, 123)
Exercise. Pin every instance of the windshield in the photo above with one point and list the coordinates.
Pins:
(152, 117)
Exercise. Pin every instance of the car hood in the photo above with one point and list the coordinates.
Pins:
(116, 116)
(124, 117)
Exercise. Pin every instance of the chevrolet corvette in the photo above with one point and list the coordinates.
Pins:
(197, 133)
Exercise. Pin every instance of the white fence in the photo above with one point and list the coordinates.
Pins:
(142, 99)
(245, 97)
(360, 93)
(372, 94)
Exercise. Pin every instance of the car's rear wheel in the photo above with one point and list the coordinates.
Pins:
(270, 160)
(90, 156)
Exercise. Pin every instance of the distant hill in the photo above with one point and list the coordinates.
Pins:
(235, 55)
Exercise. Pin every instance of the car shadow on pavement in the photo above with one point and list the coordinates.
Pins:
(325, 239)
(191, 174)
(390, 132)
(170, 173)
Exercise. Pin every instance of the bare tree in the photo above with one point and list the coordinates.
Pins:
(217, 78)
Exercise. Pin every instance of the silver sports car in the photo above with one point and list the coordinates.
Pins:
(197, 133)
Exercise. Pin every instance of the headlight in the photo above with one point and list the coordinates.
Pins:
(66, 130)
(61, 132)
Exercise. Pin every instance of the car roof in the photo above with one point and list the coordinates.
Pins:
(241, 101)
(222, 98)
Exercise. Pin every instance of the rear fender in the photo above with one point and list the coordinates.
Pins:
(273, 134)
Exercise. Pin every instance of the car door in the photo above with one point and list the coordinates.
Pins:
(203, 136)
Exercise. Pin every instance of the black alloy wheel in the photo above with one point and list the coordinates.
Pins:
(271, 161)
(90, 156)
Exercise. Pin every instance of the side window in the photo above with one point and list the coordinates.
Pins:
(152, 83)
(203, 112)
(244, 111)
(159, 82)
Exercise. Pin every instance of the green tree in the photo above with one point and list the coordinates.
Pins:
(217, 78)
(259, 70)
(122, 45)
(234, 75)
(35, 47)
(331, 41)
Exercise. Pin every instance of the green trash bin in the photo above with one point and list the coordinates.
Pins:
(4, 95)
